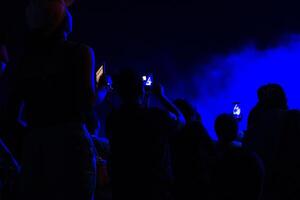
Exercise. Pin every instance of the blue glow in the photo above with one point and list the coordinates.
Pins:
(235, 77)
(93, 71)
(237, 112)
(147, 80)
(2, 66)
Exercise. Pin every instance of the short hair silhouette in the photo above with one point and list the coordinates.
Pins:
(226, 128)
(45, 16)
(129, 85)
(272, 96)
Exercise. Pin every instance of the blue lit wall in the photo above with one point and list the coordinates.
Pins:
(237, 76)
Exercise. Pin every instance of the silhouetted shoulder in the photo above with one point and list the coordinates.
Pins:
(85, 48)
(162, 119)
(81, 48)
(160, 114)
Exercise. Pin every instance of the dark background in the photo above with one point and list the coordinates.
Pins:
(164, 34)
(186, 45)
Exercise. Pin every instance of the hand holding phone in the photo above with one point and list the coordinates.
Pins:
(147, 80)
(237, 111)
(147, 83)
(99, 74)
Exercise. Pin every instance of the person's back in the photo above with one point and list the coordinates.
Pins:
(264, 121)
(55, 80)
(51, 75)
(263, 130)
(263, 135)
(139, 139)
(193, 155)
(239, 172)
(287, 176)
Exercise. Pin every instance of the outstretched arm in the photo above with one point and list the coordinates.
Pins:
(159, 92)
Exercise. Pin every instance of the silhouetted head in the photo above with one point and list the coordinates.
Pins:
(226, 128)
(129, 86)
(272, 96)
(189, 112)
(48, 17)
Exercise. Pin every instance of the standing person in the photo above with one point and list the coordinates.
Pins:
(56, 81)
(139, 138)
(263, 132)
(193, 154)
(264, 120)
(239, 172)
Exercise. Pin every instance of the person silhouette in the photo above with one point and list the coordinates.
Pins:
(239, 172)
(193, 156)
(263, 130)
(139, 138)
(55, 80)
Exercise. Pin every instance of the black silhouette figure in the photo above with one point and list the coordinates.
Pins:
(139, 138)
(193, 154)
(239, 173)
(286, 177)
(263, 131)
(55, 80)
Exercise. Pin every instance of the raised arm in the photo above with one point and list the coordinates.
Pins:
(159, 92)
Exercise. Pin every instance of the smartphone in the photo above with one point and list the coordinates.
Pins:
(99, 73)
(147, 80)
(237, 111)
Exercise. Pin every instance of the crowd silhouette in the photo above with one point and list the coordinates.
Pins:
(59, 127)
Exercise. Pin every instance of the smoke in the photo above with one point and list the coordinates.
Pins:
(236, 76)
